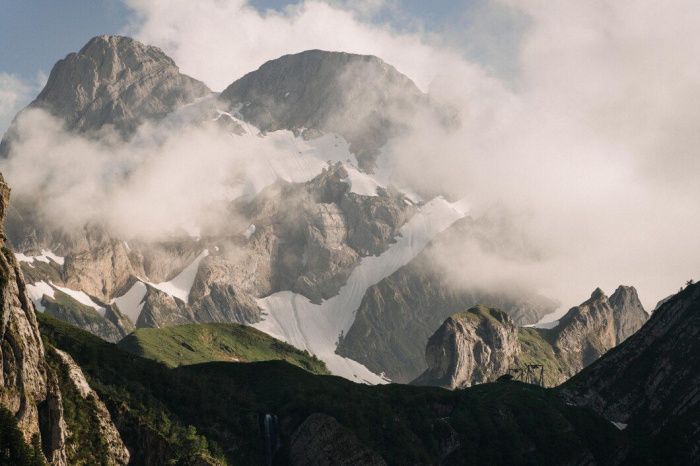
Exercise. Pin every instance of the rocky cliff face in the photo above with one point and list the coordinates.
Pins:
(471, 347)
(651, 382)
(115, 81)
(481, 344)
(357, 96)
(30, 387)
(589, 330)
(303, 237)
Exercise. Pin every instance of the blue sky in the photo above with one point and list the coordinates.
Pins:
(37, 33)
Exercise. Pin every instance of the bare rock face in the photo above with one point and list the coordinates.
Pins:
(303, 239)
(85, 317)
(628, 313)
(100, 269)
(116, 81)
(357, 96)
(651, 382)
(28, 386)
(322, 441)
(482, 344)
(589, 330)
(470, 347)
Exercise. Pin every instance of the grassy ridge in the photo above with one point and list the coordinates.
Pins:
(184, 345)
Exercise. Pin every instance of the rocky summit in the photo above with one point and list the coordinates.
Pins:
(117, 81)
(360, 97)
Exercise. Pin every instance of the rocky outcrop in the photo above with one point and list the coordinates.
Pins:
(650, 384)
(589, 330)
(399, 314)
(114, 448)
(307, 235)
(628, 313)
(27, 386)
(357, 96)
(322, 441)
(482, 344)
(471, 347)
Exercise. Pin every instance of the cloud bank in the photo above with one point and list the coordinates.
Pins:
(586, 160)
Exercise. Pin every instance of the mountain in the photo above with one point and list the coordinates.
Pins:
(306, 244)
(199, 343)
(650, 384)
(359, 97)
(117, 82)
(482, 344)
(398, 314)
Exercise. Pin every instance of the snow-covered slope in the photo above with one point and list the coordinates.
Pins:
(180, 286)
(45, 256)
(317, 327)
(39, 289)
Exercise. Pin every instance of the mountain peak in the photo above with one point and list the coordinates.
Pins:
(356, 96)
(118, 81)
(123, 48)
(598, 294)
(625, 294)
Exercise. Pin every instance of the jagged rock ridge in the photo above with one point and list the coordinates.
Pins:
(651, 382)
(481, 344)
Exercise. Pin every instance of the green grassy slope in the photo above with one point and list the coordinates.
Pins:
(198, 343)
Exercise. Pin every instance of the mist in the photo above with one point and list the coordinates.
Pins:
(584, 161)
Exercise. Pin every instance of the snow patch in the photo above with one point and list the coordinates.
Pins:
(316, 327)
(249, 231)
(361, 183)
(45, 256)
(180, 286)
(619, 425)
(131, 303)
(37, 291)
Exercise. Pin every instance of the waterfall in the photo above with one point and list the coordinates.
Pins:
(271, 434)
